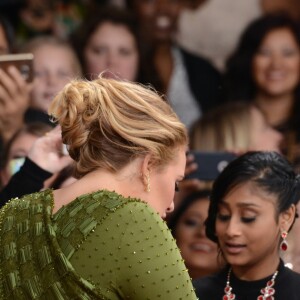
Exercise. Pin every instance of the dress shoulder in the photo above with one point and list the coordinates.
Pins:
(137, 257)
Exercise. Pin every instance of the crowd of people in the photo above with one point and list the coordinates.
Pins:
(97, 153)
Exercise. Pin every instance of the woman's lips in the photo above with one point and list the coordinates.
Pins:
(201, 247)
(231, 248)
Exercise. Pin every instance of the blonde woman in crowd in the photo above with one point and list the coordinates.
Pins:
(235, 127)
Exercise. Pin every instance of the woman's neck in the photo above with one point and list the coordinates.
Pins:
(276, 109)
(257, 271)
(126, 183)
(196, 273)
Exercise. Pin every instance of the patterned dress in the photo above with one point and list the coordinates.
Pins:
(99, 246)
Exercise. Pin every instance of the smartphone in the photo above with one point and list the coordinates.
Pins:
(22, 61)
(210, 164)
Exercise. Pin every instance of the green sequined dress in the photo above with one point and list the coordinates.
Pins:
(99, 246)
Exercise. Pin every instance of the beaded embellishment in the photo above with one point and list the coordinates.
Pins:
(266, 293)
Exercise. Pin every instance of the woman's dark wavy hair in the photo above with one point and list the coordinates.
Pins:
(269, 171)
(184, 205)
(238, 79)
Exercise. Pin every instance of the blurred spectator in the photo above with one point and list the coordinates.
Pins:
(213, 29)
(14, 90)
(235, 127)
(188, 228)
(265, 69)
(190, 82)
(107, 41)
(44, 159)
(32, 18)
(18, 148)
(55, 64)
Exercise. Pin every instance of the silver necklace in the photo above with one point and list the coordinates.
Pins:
(266, 293)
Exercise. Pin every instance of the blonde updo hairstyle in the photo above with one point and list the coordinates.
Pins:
(107, 123)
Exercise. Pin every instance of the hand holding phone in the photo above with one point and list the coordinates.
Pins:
(14, 93)
(210, 164)
(22, 61)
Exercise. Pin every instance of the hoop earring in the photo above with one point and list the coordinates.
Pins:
(284, 243)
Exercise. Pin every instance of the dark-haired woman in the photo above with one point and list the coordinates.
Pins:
(252, 209)
(265, 68)
(108, 42)
(187, 226)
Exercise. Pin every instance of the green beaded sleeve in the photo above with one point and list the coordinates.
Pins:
(132, 255)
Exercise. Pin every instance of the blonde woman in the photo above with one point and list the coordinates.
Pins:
(103, 236)
(235, 127)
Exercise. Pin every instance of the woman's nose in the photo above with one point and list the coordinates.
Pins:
(233, 228)
(201, 230)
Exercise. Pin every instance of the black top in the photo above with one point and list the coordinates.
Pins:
(287, 286)
(30, 178)
(204, 80)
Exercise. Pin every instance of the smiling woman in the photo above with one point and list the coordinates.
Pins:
(187, 225)
(265, 69)
(252, 210)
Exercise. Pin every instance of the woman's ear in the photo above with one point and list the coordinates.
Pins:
(146, 170)
(287, 217)
(146, 164)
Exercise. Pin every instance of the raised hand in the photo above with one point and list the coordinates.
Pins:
(47, 152)
(14, 101)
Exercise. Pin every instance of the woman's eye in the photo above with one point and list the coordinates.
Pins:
(176, 187)
(223, 217)
(98, 50)
(125, 52)
(191, 223)
(248, 219)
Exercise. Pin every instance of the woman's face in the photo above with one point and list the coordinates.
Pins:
(276, 65)
(163, 182)
(262, 136)
(53, 69)
(199, 253)
(113, 48)
(158, 18)
(247, 228)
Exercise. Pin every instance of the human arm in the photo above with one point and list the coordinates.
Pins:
(44, 159)
(46, 152)
(30, 178)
